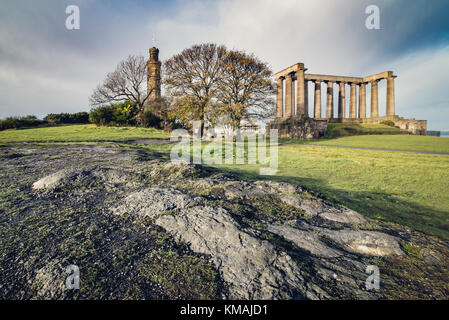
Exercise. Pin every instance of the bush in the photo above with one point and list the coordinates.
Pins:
(119, 114)
(388, 123)
(149, 119)
(22, 122)
(67, 118)
(335, 130)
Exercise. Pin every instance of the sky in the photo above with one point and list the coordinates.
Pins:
(46, 68)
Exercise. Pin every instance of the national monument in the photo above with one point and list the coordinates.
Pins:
(292, 112)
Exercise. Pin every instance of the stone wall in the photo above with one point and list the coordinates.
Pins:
(418, 127)
(298, 128)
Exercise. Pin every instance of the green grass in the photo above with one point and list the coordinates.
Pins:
(335, 130)
(402, 142)
(409, 189)
(78, 133)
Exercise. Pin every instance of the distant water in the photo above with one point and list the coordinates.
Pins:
(444, 135)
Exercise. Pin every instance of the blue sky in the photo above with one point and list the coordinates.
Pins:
(46, 68)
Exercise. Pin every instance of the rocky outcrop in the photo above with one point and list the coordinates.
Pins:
(252, 268)
(51, 181)
(265, 239)
(85, 177)
(154, 201)
(369, 243)
(306, 240)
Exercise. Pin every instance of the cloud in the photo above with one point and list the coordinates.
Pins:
(46, 68)
(321, 33)
(422, 86)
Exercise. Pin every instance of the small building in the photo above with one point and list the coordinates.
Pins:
(249, 126)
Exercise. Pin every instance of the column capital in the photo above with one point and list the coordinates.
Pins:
(300, 66)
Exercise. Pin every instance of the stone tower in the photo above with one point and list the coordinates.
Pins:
(154, 74)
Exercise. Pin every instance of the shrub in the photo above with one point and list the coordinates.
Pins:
(22, 122)
(119, 114)
(388, 123)
(67, 118)
(101, 116)
(149, 119)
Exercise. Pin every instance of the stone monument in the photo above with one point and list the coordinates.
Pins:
(292, 111)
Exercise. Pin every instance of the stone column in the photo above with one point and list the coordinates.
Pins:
(317, 105)
(306, 98)
(341, 100)
(300, 91)
(374, 99)
(353, 102)
(279, 97)
(330, 100)
(390, 96)
(362, 100)
(289, 98)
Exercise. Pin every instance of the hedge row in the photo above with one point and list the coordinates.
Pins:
(20, 122)
(119, 114)
(59, 118)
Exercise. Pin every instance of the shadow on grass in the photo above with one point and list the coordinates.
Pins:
(150, 154)
(377, 205)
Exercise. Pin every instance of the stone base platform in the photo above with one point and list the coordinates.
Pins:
(309, 128)
(298, 127)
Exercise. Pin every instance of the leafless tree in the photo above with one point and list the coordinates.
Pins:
(127, 82)
(191, 79)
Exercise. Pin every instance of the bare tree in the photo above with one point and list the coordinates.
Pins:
(246, 89)
(191, 79)
(127, 82)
